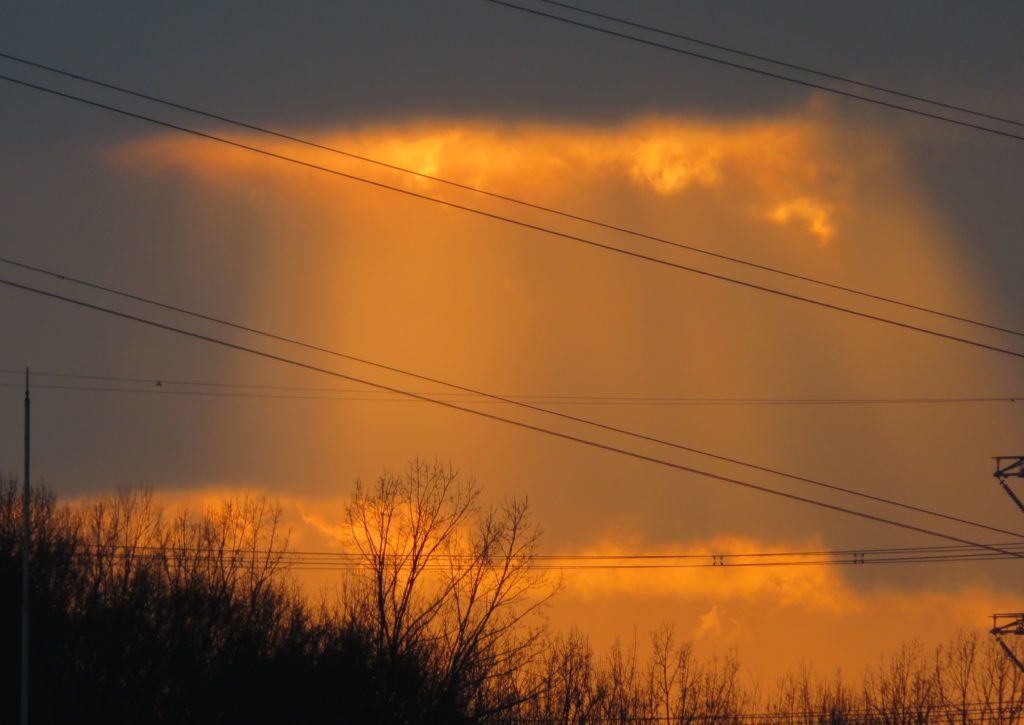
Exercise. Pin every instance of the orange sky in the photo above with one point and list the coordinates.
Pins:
(517, 312)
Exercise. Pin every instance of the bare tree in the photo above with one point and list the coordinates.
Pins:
(444, 575)
(565, 691)
(998, 684)
(622, 696)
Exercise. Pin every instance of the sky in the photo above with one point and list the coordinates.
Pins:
(679, 148)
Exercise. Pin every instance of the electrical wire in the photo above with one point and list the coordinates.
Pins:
(597, 445)
(758, 71)
(352, 561)
(782, 64)
(167, 386)
(527, 406)
(523, 224)
(300, 565)
(507, 198)
(845, 553)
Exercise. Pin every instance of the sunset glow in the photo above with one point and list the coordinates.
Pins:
(771, 188)
(511, 362)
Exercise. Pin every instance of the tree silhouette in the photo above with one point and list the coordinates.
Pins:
(450, 582)
(142, 617)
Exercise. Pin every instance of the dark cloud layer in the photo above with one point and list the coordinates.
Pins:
(329, 62)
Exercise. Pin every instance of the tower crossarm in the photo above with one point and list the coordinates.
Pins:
(1005, 623)
(1010, 467)
(1008, 623)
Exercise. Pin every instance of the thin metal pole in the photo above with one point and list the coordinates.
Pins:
(26, 541)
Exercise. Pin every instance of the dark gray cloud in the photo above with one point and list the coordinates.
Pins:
(329, 62)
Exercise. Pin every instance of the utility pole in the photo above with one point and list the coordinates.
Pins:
(26, 542)
(1005, 623)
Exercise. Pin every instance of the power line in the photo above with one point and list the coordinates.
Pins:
(300, 565)
(167, 386)
(346, 561)
(507, 198)
(520, 223)
(500, 419)
(781, 63)
(951, 549)
(759, 71)
(527, 406)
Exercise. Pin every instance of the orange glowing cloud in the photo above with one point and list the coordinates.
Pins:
(810, 587)
(783, 167)
(811, 212)
(776, 617)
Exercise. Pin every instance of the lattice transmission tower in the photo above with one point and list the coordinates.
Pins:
(1009, 623)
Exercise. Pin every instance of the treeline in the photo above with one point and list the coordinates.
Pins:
(140, 616)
